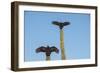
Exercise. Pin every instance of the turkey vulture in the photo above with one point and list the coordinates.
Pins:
(60, 24)
(47, 50)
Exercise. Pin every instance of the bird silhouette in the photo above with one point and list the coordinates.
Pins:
(47, 50)
(60, 24)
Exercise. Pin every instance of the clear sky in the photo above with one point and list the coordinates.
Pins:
(39, 31)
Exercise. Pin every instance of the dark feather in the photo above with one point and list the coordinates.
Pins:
(66, 23)
(56, 23)
(54, 49)
(40, 49)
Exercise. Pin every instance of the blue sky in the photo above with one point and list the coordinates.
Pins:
(39, 31)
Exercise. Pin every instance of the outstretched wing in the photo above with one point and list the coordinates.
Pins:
(55, 23)
(66, 23)
(54, 49)
(40, 49)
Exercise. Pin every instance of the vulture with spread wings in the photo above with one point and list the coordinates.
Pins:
(60, 24)
(47, 50)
